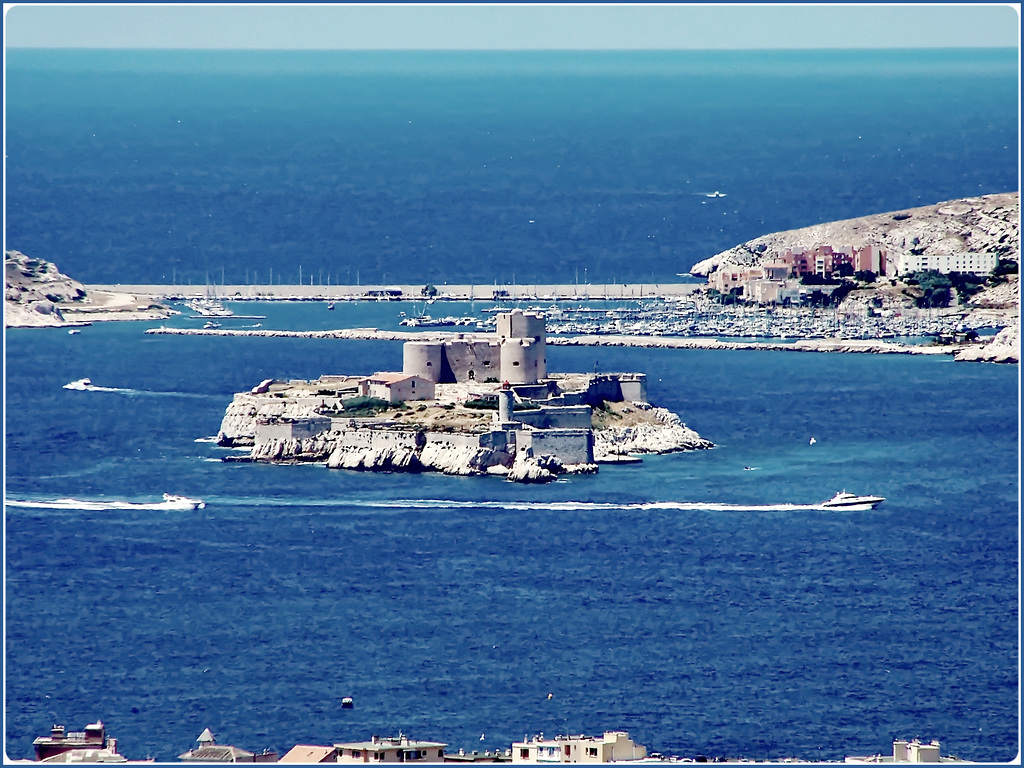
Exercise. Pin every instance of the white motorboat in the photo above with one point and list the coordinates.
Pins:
(82, 384)
(182, 502)
(844, 500)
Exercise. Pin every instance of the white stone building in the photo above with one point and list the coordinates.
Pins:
(612, 747)
(953, 261)
(395, 749)
(397, 387)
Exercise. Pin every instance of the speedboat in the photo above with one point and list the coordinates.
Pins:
(844, 500)
(79, 384)
(182, 502)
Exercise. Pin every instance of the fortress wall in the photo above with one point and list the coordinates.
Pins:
(473, 360)
(634, 387)
(458, 440)
(292, 429)
(568, 417)
(571, 446)
(378, 439)
(500, 440)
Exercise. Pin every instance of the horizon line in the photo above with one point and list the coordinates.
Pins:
(516, 50)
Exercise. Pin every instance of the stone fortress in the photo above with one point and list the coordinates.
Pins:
(516, 354)
(468, 404)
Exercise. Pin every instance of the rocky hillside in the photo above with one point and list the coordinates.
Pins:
(986, 224)
(34, 291)
(37, 295)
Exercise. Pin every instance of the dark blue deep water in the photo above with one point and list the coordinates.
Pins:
(159, 166)
(450, 607)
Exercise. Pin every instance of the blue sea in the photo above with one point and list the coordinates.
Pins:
(700, 606)
(474, 167)
(695, 603)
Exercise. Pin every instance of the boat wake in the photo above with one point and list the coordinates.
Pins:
(170, 502)
(587, 506)
(86, 385)
(522, 506)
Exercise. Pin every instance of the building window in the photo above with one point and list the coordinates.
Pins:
(591, 751)
(515, 364)
(524, 754)
(429, 363)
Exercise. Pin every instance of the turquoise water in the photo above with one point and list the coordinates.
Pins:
(700, 606)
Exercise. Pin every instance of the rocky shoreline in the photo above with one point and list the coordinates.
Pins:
(443, 435)
(38, 295)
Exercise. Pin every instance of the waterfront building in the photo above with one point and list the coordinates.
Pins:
(612, 747)
(954, 261)
(310, 754)
(395, 749)
(63, 742)
(209, 751)
(909, 752)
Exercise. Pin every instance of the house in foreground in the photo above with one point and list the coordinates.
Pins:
(395, 749)
(612, 747)
(913, 751)
(209, 751)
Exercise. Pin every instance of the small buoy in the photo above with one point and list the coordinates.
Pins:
(346, 703)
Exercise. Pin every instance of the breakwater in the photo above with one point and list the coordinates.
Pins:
(653, 342)
(414, 292)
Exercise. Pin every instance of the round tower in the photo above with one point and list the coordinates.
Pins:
(423, 358)
(519, 361)
(506, 405)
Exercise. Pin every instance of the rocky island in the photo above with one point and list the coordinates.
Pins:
(466, 405)
(37, 295)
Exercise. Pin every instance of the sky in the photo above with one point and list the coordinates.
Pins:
(511, 26)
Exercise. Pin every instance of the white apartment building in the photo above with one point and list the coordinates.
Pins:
(394, 749)
(612, 747)
(961, 261)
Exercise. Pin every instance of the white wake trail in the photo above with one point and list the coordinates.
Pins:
(170, 502)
